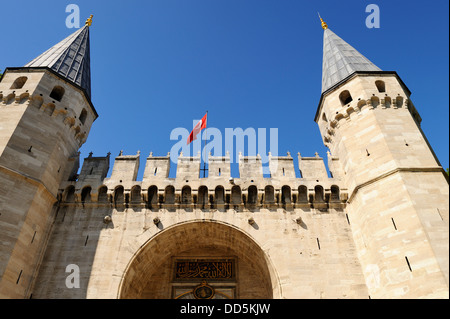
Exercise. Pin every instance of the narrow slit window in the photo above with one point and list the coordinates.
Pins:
(440, 215)
(32, 239)
(393, 222)
(18, 278)
(83, 116)
(409, 265)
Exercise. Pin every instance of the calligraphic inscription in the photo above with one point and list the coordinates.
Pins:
(204, 269)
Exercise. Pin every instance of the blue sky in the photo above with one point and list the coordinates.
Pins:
(159, 65)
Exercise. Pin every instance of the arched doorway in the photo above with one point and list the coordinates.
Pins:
(199, 259)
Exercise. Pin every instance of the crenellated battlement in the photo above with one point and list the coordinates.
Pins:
(64, 103)
(366, 92)
(52, 109)
(345, 113)
(218, 190)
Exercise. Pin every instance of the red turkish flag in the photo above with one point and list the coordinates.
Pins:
(197, 129)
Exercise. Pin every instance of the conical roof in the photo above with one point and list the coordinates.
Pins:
(340, 60)
(69, 58)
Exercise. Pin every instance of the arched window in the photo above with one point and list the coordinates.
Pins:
(203, 196)
(318, 194)
(103, 194)
(345, 97)
(169, 195)
(380, 86)
(302, 194)
(83, 116)
(252, 195)
(70, 194)
(186, 197)
(324, 117)
(220, 195)
(119, 197)
(136, 194)
(335, 193)
(57, 93)
(236, 195)
(269, 197)
(286, 195)
(152, 195)
(86, 194)
(19, 83)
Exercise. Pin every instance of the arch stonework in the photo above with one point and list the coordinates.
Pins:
(131, 256)
(148, 273)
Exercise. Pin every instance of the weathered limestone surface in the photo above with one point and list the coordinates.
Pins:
(398, 191)
(39, 139)
(295, 248)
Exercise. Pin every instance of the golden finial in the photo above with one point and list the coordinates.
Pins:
(324, 25)
(89, 21)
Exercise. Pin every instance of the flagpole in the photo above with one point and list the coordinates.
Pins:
(204, 148)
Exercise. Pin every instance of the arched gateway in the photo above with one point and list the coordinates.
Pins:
(199, 259)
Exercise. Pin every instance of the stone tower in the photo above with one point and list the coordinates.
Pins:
(45, 117)
(398, 203)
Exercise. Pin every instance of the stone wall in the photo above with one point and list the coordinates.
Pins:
(290, 247)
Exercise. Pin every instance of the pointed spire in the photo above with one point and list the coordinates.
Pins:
(340, 60)
(324, 25)
(89, 21)
(70, 58)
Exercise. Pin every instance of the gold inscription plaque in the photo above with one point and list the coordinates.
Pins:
(220, 270)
